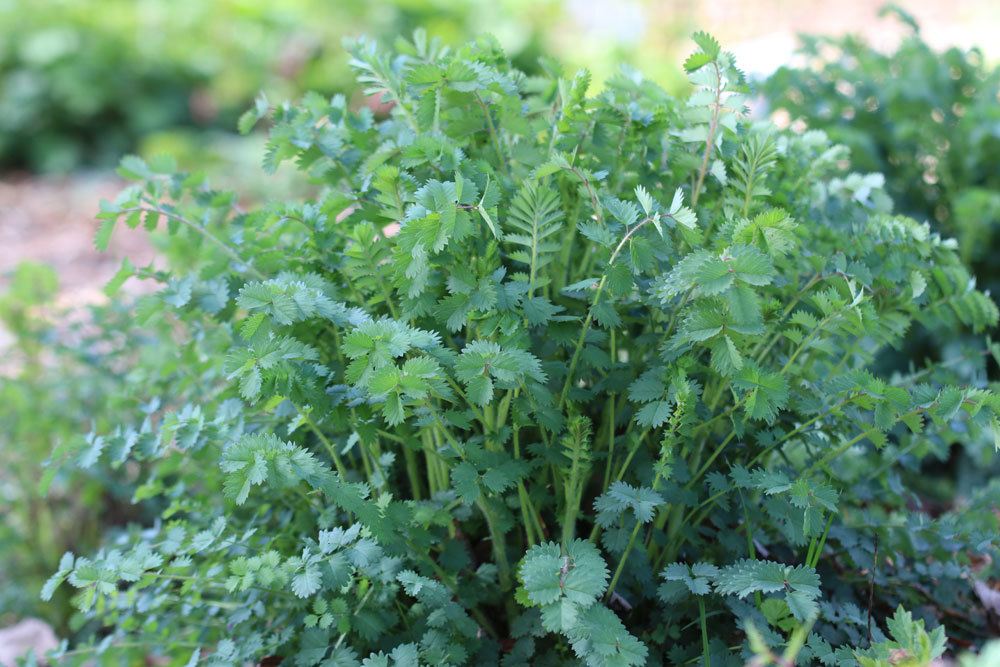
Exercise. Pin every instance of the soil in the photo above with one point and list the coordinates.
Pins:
(52, 220)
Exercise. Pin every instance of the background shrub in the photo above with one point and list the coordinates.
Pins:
(928, 120)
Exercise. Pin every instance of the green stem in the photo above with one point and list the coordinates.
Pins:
(631, 541)
(449, 581)
(529, 528)
(331, 450)
(575, 358)
(822, 543)
(412, 473)
(357, 610)
(675, 312)
(430, 462)
(126, 645)
(795, 644)
(710, 139)
(499, 547)
(201, 229)
(704, 632)
(590, 317)
(711, 459)
(759, 353)
(751, 551)
(522, 495)
(831, 455)
(631, 454)
(624, 558)
(493, 134)
(611, 430)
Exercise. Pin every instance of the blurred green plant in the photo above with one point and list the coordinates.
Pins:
(83, 81)
(988, 657)
(58, 380)
(928, 123)
(928, 120)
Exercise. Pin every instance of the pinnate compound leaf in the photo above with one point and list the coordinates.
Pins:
(621, 496)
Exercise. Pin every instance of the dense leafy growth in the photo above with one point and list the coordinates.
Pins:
(540, 378)
(927, 120)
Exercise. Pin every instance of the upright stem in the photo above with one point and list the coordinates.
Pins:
(493, 134)
(579, 346)
(704, 632)
(631, 455)
(711, 459)
(624, 558)
(412, 472)
(713, 126)
(330, 448)
(522, 495)
(611, 422)
(631, 543)
(814, 561)
(590, 317)
(499, 547)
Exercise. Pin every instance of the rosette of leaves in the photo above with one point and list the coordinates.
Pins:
(537, 377)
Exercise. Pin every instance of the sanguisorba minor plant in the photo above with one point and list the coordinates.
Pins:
(539, 378)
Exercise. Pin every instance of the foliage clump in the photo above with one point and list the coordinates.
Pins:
(922, 118)
(538, 378)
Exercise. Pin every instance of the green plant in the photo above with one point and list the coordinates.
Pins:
(989, 655)
(910, 644)
(925, 119)
(58, 379)
(538, 378)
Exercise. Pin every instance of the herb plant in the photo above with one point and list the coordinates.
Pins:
(926, 121)
(537, 378)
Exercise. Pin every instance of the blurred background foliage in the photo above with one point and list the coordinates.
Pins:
(83, 82)
(928, 120)
(53, 382)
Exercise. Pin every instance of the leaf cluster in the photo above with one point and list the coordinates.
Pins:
(536, 377)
